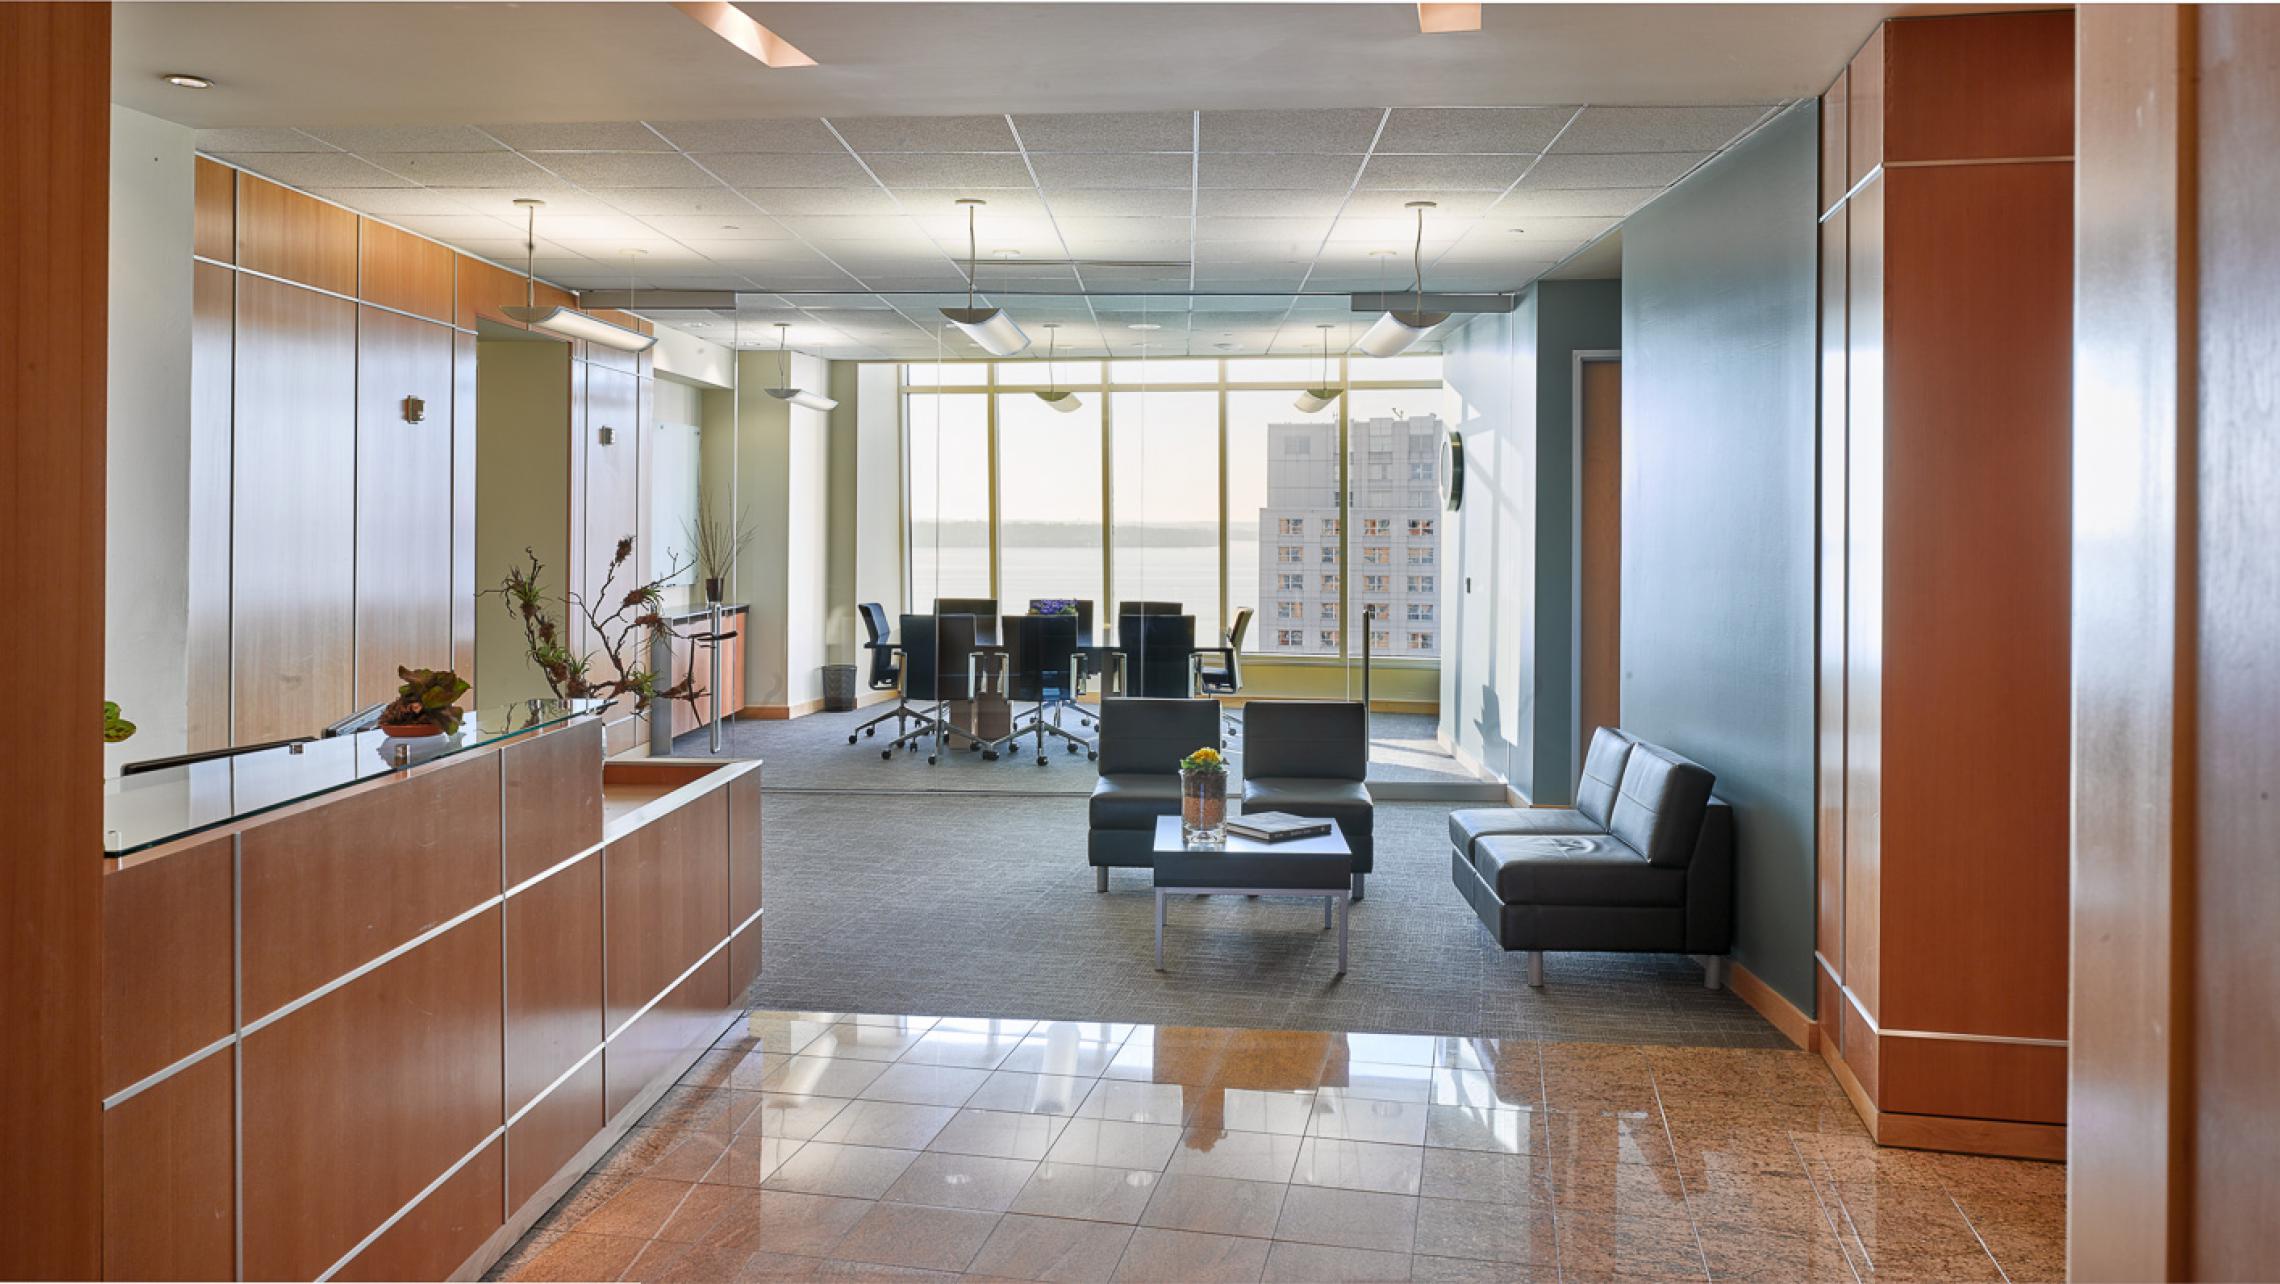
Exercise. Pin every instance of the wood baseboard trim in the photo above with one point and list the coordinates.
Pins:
(1850, 1082)
(781, 712)
(1972, 1136)
(1776, 1009)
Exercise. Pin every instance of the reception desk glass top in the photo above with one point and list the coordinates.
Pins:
(154, 807)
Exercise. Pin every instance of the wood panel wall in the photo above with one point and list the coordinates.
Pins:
(1947, 337)
(422, 964)
(55, 154)
(332, 539)
(2171, 1164)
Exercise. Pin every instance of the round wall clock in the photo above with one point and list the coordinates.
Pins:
(1453, 470)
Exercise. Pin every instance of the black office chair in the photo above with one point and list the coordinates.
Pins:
(1147, 608)
(983, 609)
(1084, 609)
(938, 667)
(886, 671)
(1159, 655)
(1040, 667)
(1219, 669)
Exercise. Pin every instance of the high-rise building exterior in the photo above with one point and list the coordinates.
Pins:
(1395, 542)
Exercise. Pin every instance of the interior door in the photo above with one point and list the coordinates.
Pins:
(1599, 679)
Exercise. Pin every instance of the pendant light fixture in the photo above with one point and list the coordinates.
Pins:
(570, 323)
(989, 327)
(1320, 396)
(1065, 402)
(797, 396)
(1397, 329)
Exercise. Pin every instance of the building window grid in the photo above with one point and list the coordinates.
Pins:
(1421, 444)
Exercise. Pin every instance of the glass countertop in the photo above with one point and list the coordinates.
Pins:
(142, 811)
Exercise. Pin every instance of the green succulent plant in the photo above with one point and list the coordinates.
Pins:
(429, 696)
(115, 728)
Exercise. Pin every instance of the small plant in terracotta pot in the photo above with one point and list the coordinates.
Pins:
(426, 705)
(1203, 798)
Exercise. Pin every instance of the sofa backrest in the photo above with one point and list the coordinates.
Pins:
(1306, 739)
(1658, 809)
(1602, 774)
(1149, 737)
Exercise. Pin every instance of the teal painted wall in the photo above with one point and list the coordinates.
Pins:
(1719, 458)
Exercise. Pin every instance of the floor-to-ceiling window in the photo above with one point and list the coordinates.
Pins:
(1220, 494)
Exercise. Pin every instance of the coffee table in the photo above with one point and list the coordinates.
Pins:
(1321, 866)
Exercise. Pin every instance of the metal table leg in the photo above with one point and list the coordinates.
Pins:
(1159, 929)
(1345, 911)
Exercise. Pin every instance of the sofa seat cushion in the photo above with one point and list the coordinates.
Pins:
(1471, 824)
(1574, 869)
(1345, 801)
(1134, 800)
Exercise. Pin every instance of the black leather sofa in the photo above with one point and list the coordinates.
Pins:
(1141, 744)
(1644, 862)
(1309, 758)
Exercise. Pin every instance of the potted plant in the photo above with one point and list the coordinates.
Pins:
(716, 541)
(426, 705)
(115, 728)
(1203, 798)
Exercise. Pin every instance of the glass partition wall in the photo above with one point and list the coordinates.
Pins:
(1189, 480)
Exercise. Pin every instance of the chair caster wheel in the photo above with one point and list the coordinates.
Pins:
(868, 731)
(851, 739)
(1092, 755)
(990, 756)
(930, 760)
(1041, 760)
(887, 755)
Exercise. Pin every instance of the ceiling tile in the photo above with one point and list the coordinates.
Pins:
(926, 133)
(217, 142)
(1124, 229)
(1118, 131)
(1472, 129)
(1617, 201)
(682, 201)
(1315, 173)
(454, 228)
(1657, 129)
(1448, 173)
(392, 202)
(1395, 204)
(757, 169)
(1346, 130)
(1395, 233)
(410, 138)
(767, 134)
(316, 169)
(845, 201)
(752, 226)
(1283, 203)
(590, 136)
(948, 170)
(1066, 203)
(1305, 231)
(867, 227)
(1646, 169)
(462, 169)
(1068, 169)
(626, 169)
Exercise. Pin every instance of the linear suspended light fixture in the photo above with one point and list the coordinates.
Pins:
(797, 396)
(1397, 329)
(1320, 396)
(989, 327)
(570, 323)
(1065, 402)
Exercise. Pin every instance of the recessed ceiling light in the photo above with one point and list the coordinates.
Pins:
(184, 80)
(1143, 325)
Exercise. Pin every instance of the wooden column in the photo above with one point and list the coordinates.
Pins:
(2177, 977)
(55, 82)
(1946, 252)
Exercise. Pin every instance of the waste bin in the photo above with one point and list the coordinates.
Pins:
(838, 688)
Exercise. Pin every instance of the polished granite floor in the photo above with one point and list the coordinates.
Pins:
(812, 1145)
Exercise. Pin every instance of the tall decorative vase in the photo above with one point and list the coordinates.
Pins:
(1203, 808)
(712, 588)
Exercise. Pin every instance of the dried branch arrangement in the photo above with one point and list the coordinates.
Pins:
(625, 623)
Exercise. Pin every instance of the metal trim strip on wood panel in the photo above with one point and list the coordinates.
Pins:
(676, 982)
(496, 1134)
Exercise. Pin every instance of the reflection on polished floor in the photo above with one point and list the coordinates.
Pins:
(820, 1145)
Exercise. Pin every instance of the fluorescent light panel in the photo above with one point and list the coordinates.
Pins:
(1395, 331)
(573, 324)
(802, 397)
(989, 327)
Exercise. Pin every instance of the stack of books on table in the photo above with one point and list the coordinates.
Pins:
(1276, 826)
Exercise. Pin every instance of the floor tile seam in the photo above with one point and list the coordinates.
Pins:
(1833, 1214)
(1686, 1196)
(1973, 1226)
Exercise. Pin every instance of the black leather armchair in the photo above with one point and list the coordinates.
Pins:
(1644, 862)
(1141, 744)
(1309, 758)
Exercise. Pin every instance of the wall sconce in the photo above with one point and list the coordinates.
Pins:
(606, 436)
(415, 410)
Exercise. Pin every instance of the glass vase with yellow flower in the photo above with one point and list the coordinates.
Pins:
(1203, 798)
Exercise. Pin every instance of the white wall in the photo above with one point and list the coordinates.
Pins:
(147, 519)
(783, 482)
(878, 489)
(807, 524)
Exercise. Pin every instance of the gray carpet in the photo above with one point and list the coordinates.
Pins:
(813, 753)
(983, 905)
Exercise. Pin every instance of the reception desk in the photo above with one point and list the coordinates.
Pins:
(367, 1018)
